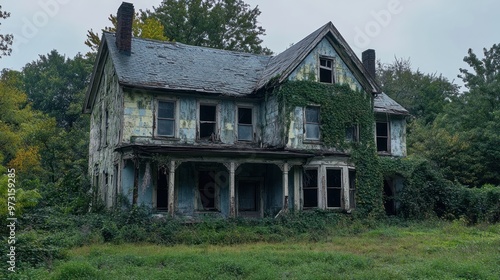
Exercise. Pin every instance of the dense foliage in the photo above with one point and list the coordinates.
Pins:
(341, 107)
(221, 24)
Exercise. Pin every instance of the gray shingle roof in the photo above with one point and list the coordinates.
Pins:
(176, 66)
(382, 103)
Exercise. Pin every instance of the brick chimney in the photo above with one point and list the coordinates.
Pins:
(368, 58)
(124, 17)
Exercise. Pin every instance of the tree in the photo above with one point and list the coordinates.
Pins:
(56, 85)
(5, 39)
(221, 24)
(142, 27)
(464, 139)
(423, 95)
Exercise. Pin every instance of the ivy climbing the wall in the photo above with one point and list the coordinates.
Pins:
(340, 108)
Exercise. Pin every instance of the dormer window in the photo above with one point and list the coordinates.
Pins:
(326, 70)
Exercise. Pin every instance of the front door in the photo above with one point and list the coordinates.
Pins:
(249, 198)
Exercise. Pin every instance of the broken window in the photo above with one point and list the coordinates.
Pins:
(312, 122)
(334, 188)
(326, 70)
(207, 121)
(310, 188)
(166, 118)
(207, 188)
(352, 133)
(352, 188)
(245, 126)
(162, 189)
(382, 132)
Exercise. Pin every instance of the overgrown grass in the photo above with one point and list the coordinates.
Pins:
(390, 250)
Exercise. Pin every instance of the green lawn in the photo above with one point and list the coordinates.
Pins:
(442, 251)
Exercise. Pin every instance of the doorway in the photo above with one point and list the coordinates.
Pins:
(249, 202)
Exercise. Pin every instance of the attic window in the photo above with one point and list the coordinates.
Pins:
(207, 121)
(326, 70)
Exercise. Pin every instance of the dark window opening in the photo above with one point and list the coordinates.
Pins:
(207, 189)
(162, 189)
(245, 126)
(166, 118)
(310, 188)
(248, 196)
(207, 121)
(312, 123)
(352, 188)
(382, 131)
(352, 133)
(326, 70)
(334, 187)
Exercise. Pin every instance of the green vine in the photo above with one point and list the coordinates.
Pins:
(340, 108)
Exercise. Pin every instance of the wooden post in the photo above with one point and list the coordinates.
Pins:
(232, 204)
(171, 184)
(285, 186)
(135, 193)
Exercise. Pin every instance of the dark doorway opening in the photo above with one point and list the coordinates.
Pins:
(207, 189)
(249, 198)
(389, 202)
(162, 190)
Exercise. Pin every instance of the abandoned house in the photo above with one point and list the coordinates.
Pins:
(190, 130)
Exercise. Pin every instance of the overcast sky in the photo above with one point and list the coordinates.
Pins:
(434, 34)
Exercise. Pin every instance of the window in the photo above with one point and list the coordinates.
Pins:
(245, 126)
(352, 133)
(326, 70)
(310, 188)
(334, 188)
(207, 121)
(312, 123)
(352, 188)
(208, 191)
(382, 132)
(166, 118)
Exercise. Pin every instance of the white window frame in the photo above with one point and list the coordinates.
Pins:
(237, 124)
(176, 117)
(318, 187)
(388, 123)
(342, 187)
(198, 122)
(332, 60)
(306, 122)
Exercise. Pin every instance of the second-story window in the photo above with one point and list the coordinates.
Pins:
(383, 139)
(352, 133)
(166, 118)
(245, 124)
(326, 70)
(207, 121)
(312, 123)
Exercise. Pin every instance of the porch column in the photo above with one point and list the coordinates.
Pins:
(296, 188)
(232, 204)
(285, 170)
(171, 184)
